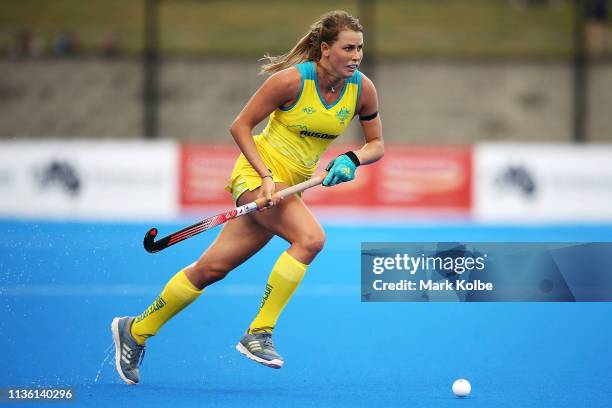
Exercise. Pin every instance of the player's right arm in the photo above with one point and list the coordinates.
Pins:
(280, 89)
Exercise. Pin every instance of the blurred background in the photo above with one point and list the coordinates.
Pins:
(453, 76)
(447, 71)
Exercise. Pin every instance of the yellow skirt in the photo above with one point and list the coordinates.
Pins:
(244, 177)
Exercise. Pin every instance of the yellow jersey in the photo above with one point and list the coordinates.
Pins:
(302, 131)
(296, 136)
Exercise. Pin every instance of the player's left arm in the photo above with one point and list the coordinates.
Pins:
(343, 167)
(369, 117)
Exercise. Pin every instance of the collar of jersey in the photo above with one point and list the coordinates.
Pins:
(316, 80)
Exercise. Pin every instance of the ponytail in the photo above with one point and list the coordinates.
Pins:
(301, 52)
(309, 47)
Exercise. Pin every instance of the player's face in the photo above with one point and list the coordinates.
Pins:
(346, 53)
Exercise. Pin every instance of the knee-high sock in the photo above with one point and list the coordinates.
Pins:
(286, 275)
(178, 293)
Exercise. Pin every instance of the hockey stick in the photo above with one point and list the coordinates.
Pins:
(155, 246)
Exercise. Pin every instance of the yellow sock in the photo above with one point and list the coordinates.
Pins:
(178, 293)
(286, 275)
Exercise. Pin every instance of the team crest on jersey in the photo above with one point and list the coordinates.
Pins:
(343, 115)
(309, 110)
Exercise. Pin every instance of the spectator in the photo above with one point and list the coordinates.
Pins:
(596, 21)
(23, 43)
(66, 44)
(111, 45)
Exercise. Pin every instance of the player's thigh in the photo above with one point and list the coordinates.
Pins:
(291, 219)
(238, 240)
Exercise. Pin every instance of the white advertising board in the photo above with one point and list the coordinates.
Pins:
(542, 182)
(88, 179)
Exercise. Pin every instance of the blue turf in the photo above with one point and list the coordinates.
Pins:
(63, 282)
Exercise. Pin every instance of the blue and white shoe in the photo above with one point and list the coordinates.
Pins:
(128, 353)
(259, 347)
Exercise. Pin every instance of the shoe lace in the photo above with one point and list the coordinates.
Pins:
(136, 355)
(267, 341)
(264, 336)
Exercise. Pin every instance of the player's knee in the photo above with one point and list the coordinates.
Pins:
(313, 242)
(210, 272)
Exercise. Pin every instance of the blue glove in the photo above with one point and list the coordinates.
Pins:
(341, 169)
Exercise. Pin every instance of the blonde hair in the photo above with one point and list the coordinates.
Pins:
(326, 29)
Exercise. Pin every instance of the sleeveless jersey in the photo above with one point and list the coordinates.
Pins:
(303, 130)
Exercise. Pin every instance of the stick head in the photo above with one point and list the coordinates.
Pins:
(149, 240)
